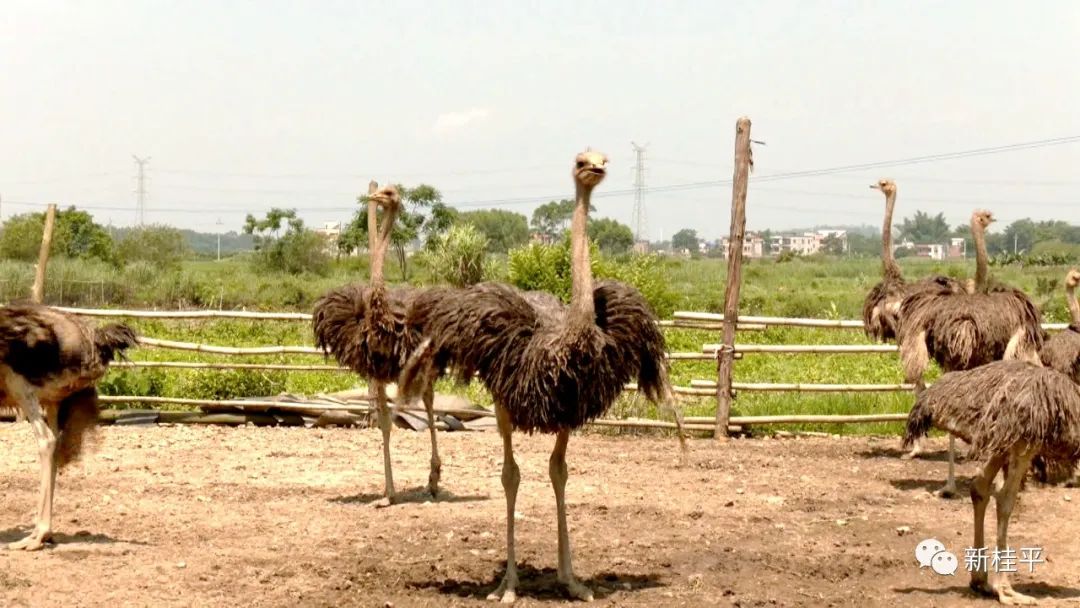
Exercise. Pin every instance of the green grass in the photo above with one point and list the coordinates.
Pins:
(823, 288)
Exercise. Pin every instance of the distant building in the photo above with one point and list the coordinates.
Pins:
(753, 245)
(933, 251)
(540, 237)
(641, 247)
(806, 243)
(957, 248)
(331, 233)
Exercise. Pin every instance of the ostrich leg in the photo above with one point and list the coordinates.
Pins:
(385, 422)
(982, 488)
(1019, 462)
(436, 463)
(511, 477)
(916, 445)
(557, 469)
(46, 432)
(949, 489)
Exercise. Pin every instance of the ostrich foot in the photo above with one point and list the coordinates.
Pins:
(34, 541)
(506, 592)
(1007, 595)
(433, 480)
(915, 451)
(382, 503)
(577, 590)
(947, 491)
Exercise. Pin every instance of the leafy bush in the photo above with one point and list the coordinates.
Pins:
(458, 257)
(161, 246)
(296, 251)
(547, 268)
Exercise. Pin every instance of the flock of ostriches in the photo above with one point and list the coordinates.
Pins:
(1010, 392)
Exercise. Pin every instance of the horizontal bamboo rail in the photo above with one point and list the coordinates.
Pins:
(803, 419)
(252, 366)
(710, 385)
(806, 348)
(797, 322)
(186, 314)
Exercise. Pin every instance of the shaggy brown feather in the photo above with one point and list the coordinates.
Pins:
(547, 373)
(998, 405)
(881, 319)
(961, 330)
(1062, 352)
(364, 328)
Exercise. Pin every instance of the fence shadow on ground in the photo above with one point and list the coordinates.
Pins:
(543, 584)
(79, 538)
(415, 495)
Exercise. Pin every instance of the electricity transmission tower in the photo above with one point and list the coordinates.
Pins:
(639, 192)
(140, 189)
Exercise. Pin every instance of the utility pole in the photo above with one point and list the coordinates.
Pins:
(140, 189)
(639, 191)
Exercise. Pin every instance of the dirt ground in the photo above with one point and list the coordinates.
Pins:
(217, 516)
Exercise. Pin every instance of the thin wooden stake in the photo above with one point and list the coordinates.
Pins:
(37, 294)
(726, 356)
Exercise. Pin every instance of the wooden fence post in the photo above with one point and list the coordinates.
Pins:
(726, 354)
(37, 294)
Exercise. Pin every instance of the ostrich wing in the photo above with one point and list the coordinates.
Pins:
(999, 404)
(1062, 352)
(634, 340)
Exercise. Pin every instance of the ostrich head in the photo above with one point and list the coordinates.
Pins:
(982, 218)
(590, 168)
(885, 185)
(387, 197)
(1072, 279)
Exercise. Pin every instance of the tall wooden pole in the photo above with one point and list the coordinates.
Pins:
(37, 294)
(726, 354)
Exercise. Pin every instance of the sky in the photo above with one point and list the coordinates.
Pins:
(244, 106)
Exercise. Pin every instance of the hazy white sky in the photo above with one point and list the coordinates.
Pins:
(246, 105)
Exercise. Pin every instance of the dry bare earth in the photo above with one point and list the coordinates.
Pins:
(200, 516)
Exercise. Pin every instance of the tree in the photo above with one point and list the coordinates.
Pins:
(611, 236)
(297, 250)
(75, 235)
(550, 219)
(504, 229)
(922, 228)
(422, 216)
(686, 238)
(862, 245)
(162, 246)
(832, 245)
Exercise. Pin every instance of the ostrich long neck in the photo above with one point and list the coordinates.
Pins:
(978, 234)
(888, 260)
(382, 244)
(581, 294)
(1074, 307)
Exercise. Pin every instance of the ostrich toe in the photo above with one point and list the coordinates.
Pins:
(578, 590)
(34, 541)
(506, 592)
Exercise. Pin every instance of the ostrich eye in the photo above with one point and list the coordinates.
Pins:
(580, 164)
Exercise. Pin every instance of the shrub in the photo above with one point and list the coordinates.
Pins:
(458, 257)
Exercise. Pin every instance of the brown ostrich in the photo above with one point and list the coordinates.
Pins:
(365, 328)
(51, 363)
(965, 330)
(1062, 351)
(549, 367)
(1010, 412)
(881, 308)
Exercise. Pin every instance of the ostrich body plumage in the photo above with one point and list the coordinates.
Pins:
(50, 363)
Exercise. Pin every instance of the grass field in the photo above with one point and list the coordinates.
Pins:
(825, 288)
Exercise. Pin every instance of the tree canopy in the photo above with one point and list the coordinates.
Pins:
(611, 236)
(75, 235)
(924, 228)
(551, 219)
(297, 250)
(162, 246)
(686, 238)
(504, 229)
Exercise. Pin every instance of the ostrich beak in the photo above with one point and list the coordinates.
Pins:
(875, 186)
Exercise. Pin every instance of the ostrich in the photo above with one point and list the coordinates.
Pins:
(50, 363)
(364, 327)
(1010, 412)
(1062, 351)
(965, 330)
(881, 307)
(549, 367)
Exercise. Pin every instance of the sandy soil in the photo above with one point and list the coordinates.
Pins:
(199, 516)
